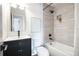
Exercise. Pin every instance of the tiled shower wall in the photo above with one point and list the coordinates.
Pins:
(64, 30)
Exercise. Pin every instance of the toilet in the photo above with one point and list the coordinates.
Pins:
(42, 51)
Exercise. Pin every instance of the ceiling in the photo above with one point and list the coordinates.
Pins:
(61, 4)
(56, 4)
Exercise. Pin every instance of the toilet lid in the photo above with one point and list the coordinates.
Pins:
(42, 51)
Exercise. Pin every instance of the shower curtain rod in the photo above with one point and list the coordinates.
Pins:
(47, 6)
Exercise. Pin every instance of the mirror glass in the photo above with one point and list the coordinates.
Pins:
(16, 23)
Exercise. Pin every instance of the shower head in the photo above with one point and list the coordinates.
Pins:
(51, 11)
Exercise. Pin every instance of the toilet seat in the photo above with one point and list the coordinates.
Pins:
(42, 51)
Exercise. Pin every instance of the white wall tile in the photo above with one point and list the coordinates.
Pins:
(64, 31)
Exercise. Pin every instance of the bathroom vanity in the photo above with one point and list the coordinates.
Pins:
(21, 47)
(17, 46)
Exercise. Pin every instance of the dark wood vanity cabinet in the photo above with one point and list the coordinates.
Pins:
(18, 48)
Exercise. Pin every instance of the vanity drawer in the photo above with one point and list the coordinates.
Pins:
(23, 52)
(11, 43)
(24, 42)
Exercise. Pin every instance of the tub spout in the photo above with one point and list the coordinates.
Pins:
(51, 39)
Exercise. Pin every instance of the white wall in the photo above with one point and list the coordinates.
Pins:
(48, 22)
(0, 20)
(35, 10)
(1, 28)
(6, 17)
(64, 31)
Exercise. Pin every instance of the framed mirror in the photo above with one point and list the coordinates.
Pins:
(18, 20)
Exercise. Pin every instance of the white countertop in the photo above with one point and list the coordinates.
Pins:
(16, 38)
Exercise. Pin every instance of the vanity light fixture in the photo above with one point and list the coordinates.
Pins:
(21, 7)
(13, 5)
(17, 6)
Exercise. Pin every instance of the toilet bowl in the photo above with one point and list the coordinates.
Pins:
(42, 51)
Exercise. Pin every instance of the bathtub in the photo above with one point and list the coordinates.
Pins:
(59, 49)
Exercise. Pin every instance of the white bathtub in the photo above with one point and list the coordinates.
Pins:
(59, 49)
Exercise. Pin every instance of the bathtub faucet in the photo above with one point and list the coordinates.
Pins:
(50, 37)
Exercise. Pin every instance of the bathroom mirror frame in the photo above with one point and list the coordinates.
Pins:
(18, 14)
